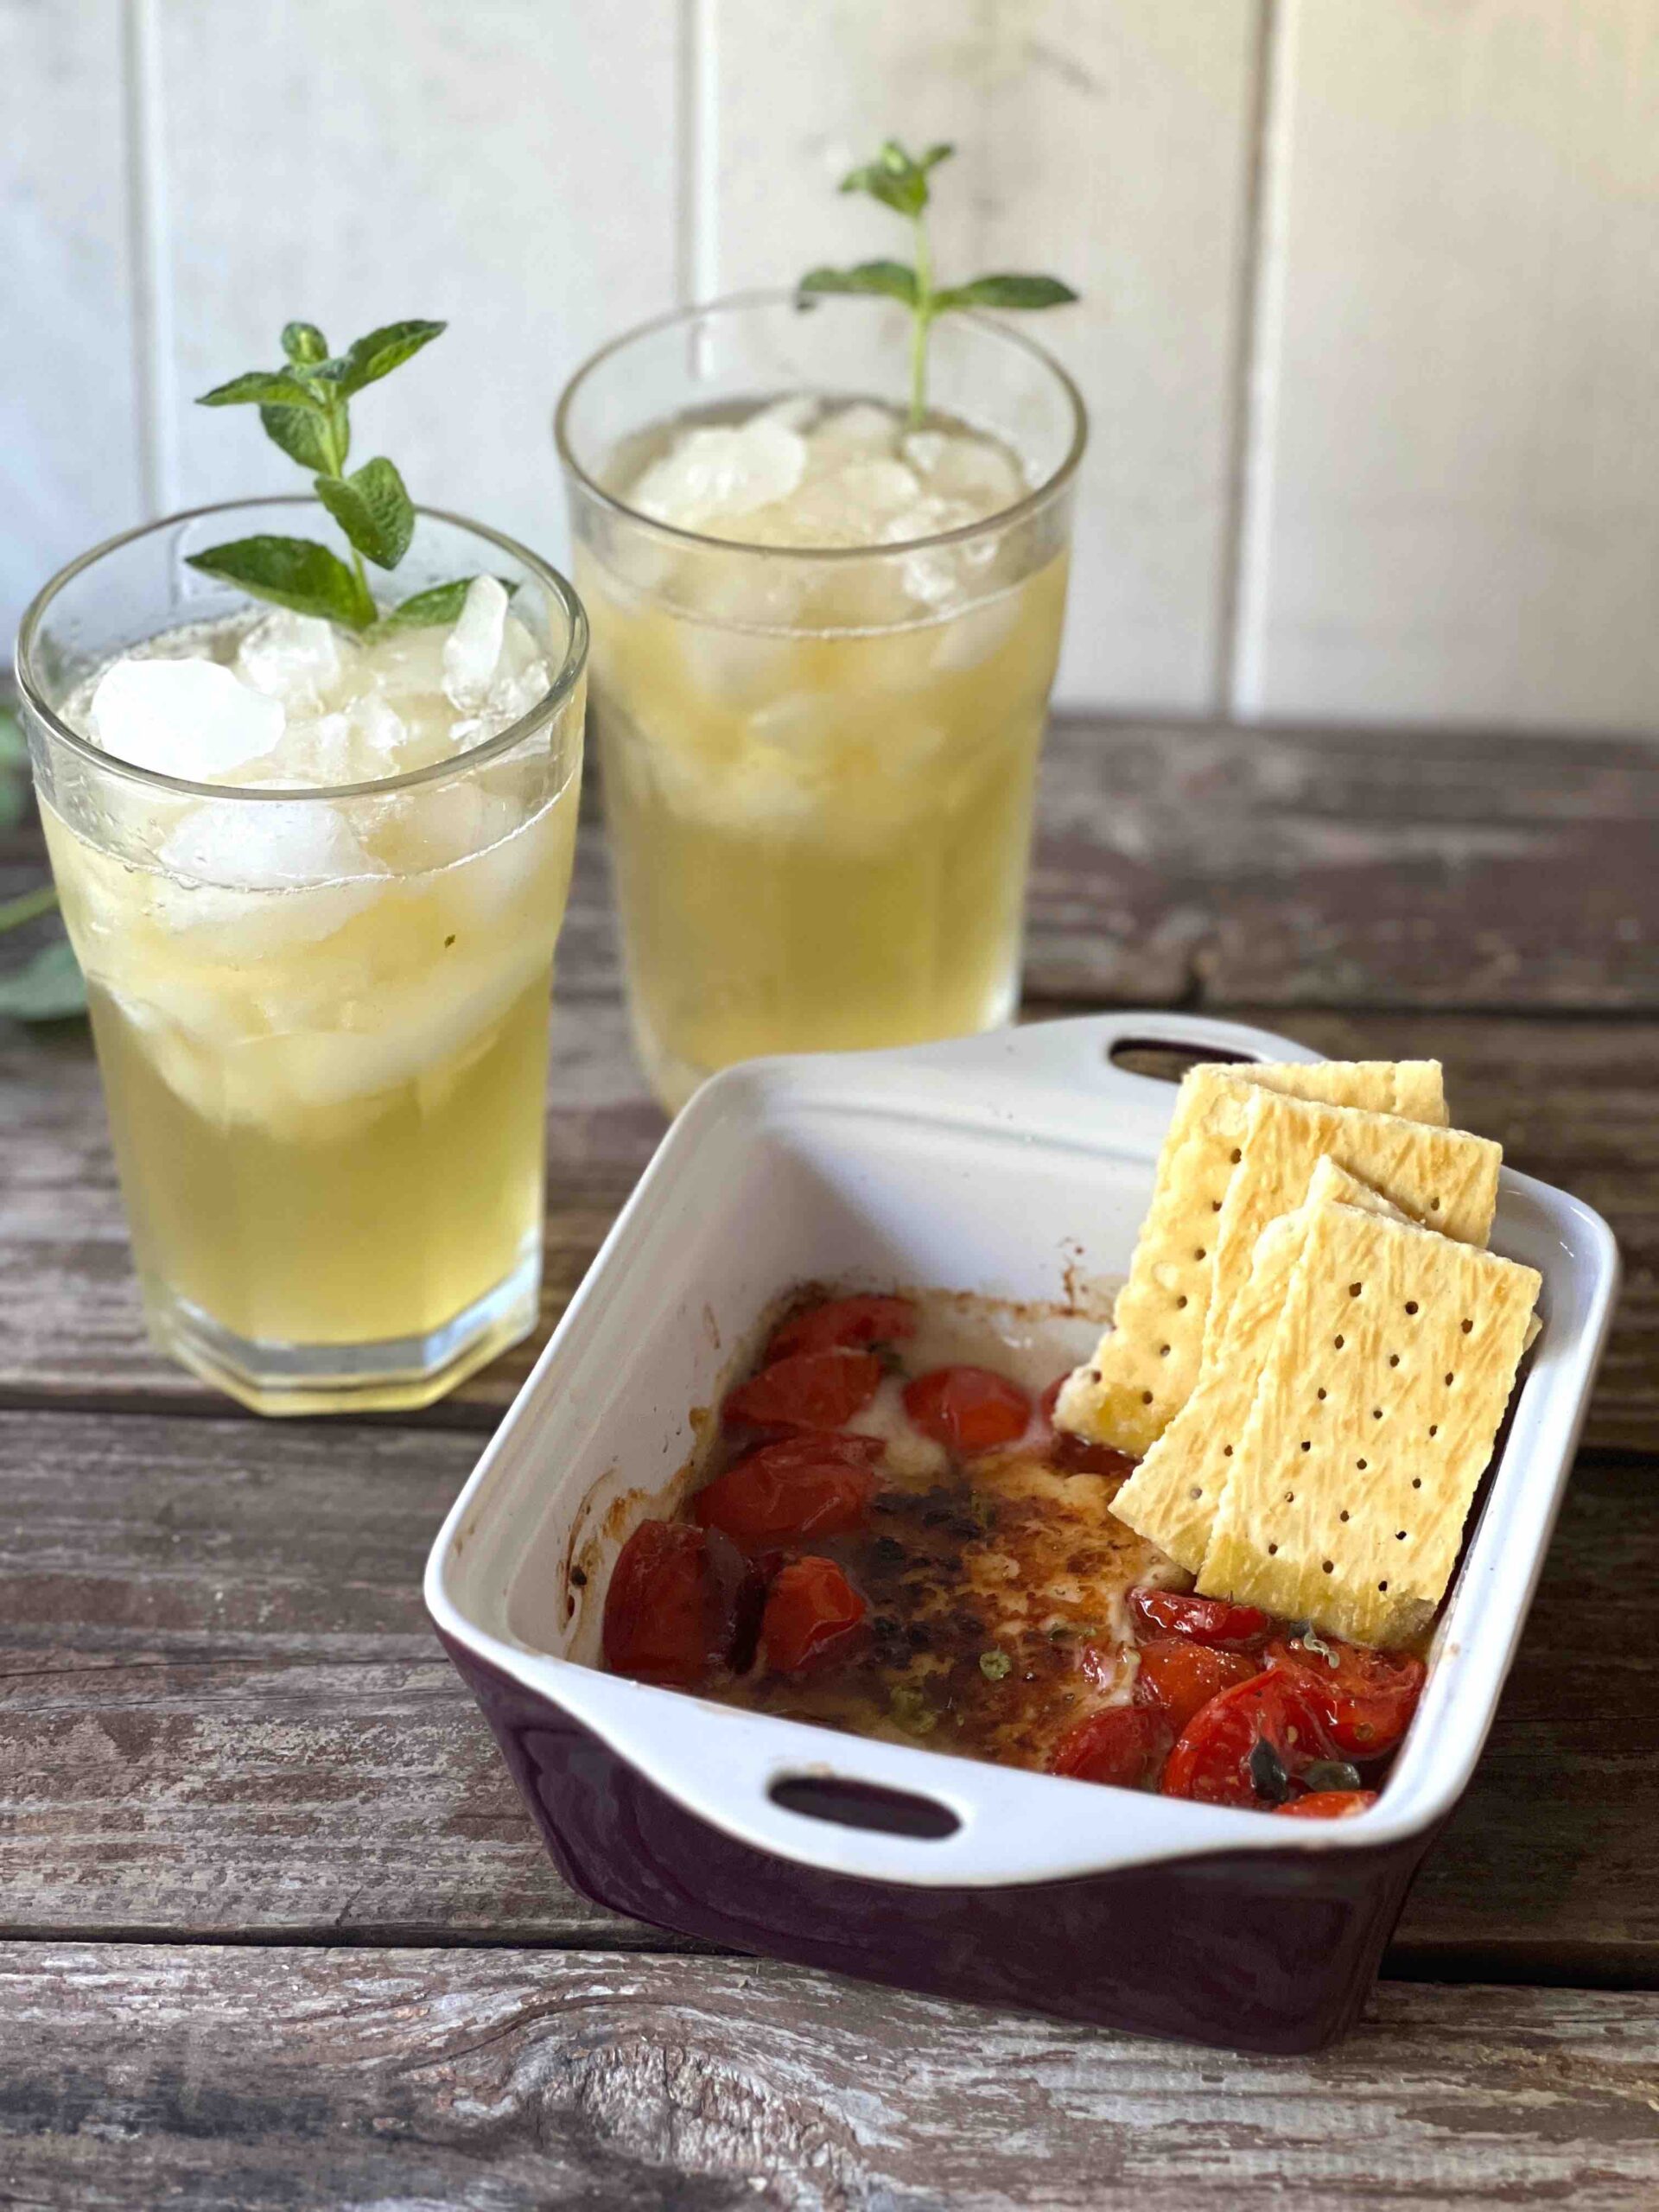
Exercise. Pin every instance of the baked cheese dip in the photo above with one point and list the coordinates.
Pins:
(1307, 1369)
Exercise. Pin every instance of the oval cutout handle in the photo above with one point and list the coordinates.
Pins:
(851, 1804)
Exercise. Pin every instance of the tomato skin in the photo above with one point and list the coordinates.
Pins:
(681, 1602)
(809, 1389)
(1178, 1677)
(842, 1324)
(1124, 1745)
(968, 1408)
(1367, 1698)
(1210, 1762)
(812, 1614)
(1329, 1804)
(805, 1485)
(1214, 1621)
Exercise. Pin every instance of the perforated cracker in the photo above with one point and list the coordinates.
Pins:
(1445, 1179)
(1374, 1416)
(1172, 1497)
(1146, 1364)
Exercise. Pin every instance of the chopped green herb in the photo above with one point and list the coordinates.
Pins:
(995, 1666)
(900, 181)
(912, 1710)
(1333, 1774)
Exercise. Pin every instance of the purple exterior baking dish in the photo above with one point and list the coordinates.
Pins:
(1016, 1167)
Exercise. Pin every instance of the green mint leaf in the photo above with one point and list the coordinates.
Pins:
(257, 387)
(995, 1666)
(304, 344)
(934, 156)
(301, 435)
(381, 352)
(292, 572)
(1005, 291)
(14, 771)
(372, 508)
(439, 603)
(892, 178)
(48, 987)
(891, 277)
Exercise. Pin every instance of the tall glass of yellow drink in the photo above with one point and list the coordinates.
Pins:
(823, 641)
(315, 880)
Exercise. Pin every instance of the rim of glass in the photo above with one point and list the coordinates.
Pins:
(563, 682)
(777, 297)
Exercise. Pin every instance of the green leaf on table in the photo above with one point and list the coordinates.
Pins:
(48, 987)
(293, 572)
(304, 344)
(370, 359)
(439, 603)
(14, 771)
(303, 435)
(891, 278)
(372, 508)
(1005, 291)
(257, 387)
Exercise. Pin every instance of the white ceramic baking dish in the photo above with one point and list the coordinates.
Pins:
(1017, 1166)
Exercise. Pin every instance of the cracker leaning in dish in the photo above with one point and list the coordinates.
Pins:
(1313, 1351)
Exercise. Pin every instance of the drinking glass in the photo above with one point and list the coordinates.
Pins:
(324, 1054)
(818, 765)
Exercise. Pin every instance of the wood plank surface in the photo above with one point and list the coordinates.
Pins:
(225, 1715)
(296, 2078)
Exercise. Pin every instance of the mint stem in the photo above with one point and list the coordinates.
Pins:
(920, 325)
(337, 469)
(15, 911)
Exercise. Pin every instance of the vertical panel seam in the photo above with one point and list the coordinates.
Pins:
(150, 263)
(697, 179)
(1247, 380)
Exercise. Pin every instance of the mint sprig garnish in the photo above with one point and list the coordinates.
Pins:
(305, 410)
(898, 180)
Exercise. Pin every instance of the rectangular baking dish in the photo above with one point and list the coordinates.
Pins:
(1015, 1165)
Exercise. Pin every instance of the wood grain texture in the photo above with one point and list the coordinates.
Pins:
(225, 1715)
(1452, 508)
(70, 464)
(510, 167)
(1111, 143)
(326, 2077)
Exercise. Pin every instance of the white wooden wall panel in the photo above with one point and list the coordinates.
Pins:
(70, 467)
(1106, 140)
(509, 165)
(1455, 479)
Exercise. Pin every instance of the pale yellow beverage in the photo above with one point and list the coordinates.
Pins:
(321, 1020)
(824, 644)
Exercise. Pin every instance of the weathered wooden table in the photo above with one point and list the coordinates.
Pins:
(277, 1931)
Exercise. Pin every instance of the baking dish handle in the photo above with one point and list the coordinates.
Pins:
(877, 1811)
(1077, 1055)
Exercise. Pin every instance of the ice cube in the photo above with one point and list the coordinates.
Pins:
(474, 646)
(264, 845)
(714, 475)
(967, 468)
(190, 718)
(798, 412)
(298, 658)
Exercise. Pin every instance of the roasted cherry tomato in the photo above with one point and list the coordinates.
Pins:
(812, 1614)
(1206, 1620)
(1178, 1676)
(1125, 1745)
(1249, 1745)
(843, 1324)
(968, 1408)
(1367, 1697)
(1329, 1804)
(803, 1486)
(681, 1601)
(810, 1389)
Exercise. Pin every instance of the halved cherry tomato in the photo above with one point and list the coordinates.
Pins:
(802, 1486)
(1124, 1745)
(843, 1323)
(810, 1389)
(968, 1408)
(1248, 1745)
(1206, 1620)
(1329, 1804)
(812, 1614)
(1367, 1697)
(1178, 1676)
(681, 1601)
